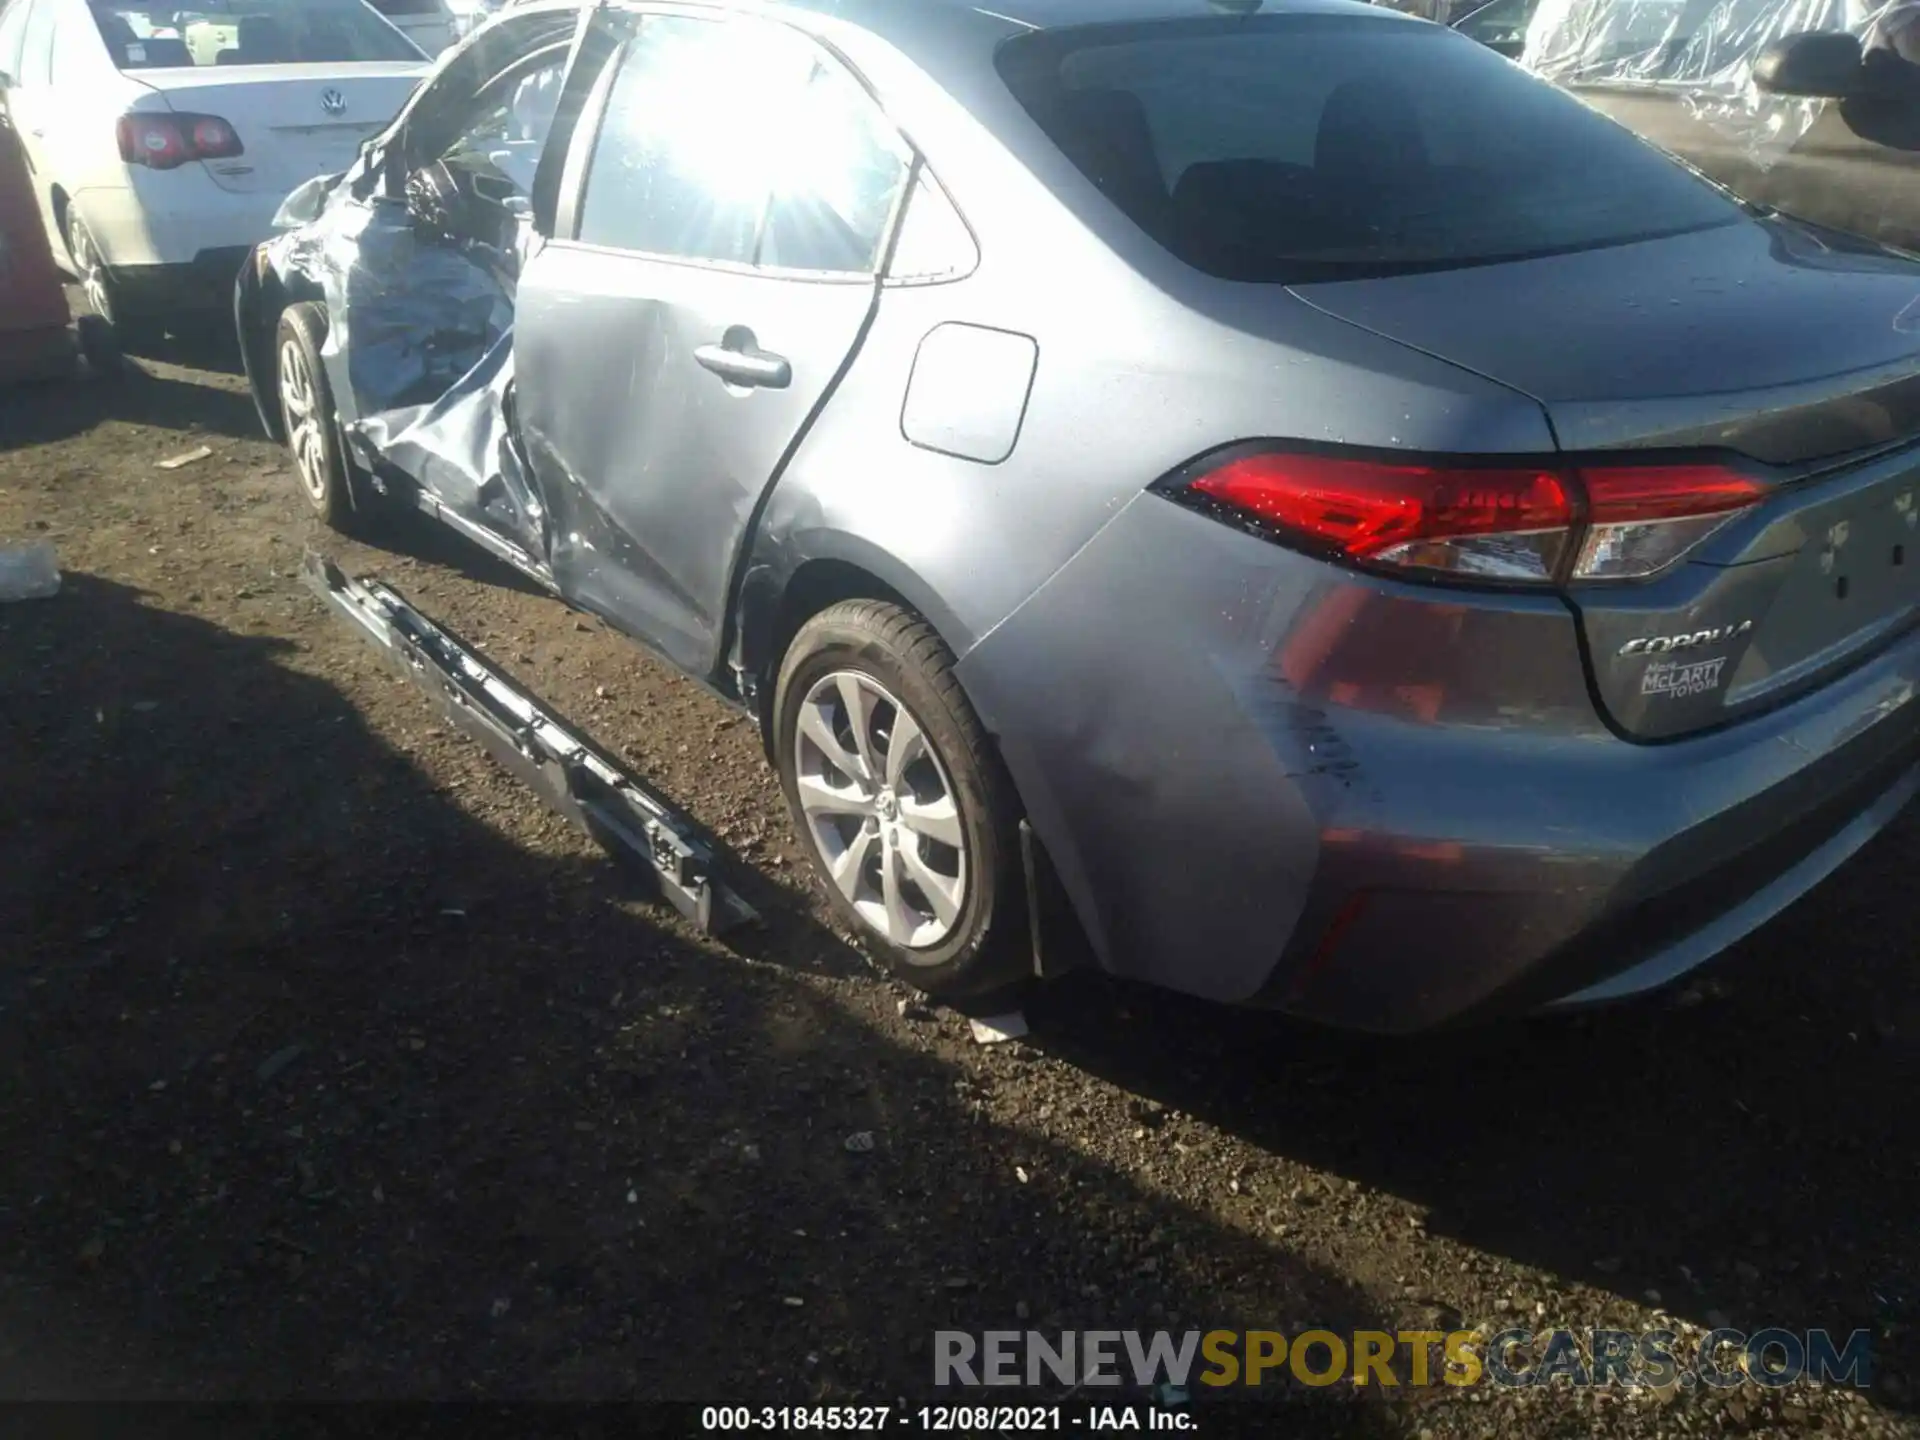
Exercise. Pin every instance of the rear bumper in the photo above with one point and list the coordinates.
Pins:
(1387, 807)
(171, 221)
(202, 285)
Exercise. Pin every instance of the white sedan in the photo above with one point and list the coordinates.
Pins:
(163, 137)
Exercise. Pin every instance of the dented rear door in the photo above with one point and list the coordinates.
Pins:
(725, 214)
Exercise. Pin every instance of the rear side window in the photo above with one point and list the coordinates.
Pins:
(1292, 148)
(680, 166)
(834, 193)
(246, 32)
(733, 141)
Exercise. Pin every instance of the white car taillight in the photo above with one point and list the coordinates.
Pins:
(166, 140)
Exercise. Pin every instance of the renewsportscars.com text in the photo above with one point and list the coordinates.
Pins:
(1724, 1358)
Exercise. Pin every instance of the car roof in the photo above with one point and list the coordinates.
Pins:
(910, 25)
(904, 21)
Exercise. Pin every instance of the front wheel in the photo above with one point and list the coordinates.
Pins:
(309, 421)
(901, 801)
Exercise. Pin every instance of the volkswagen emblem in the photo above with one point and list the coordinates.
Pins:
(333, 102)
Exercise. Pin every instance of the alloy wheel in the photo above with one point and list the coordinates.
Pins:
(93, 271)
(880, 810)
(300, 408)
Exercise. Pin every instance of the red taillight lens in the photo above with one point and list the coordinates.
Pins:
(1491, 521)
(1509, 523)
(167, 140)
(211, 137)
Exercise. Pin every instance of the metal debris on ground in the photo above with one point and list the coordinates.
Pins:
(998, 1029)
(620, 811)
(199, 452)
(28, 572)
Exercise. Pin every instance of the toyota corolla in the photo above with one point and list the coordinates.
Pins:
(1369, 533)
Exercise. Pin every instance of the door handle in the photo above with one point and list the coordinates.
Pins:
(739, 360)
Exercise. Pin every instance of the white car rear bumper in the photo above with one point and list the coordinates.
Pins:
(182, 215)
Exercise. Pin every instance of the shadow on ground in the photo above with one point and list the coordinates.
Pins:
(47, 411)
(311, 1083)
(1754, 1154)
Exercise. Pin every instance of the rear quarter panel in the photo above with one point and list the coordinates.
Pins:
(1142, 364)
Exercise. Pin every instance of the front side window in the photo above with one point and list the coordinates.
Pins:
(246, 32)
(1290, 148)
(733, 141)
(506, 129)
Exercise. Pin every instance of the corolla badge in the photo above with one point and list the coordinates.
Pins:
(333, 102)
(1661, 644)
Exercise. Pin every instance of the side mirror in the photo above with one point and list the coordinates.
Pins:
(1821, 64)
(6, 81)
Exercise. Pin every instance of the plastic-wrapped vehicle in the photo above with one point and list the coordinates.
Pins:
(1372, 534)
(1807, 106)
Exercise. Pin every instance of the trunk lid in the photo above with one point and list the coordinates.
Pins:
(1792, 354)
(296, 121)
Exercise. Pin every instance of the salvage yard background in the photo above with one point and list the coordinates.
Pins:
(331, 1064)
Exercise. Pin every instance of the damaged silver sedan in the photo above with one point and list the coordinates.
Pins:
(1273, 494)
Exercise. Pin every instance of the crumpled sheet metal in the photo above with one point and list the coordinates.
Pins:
(419, 350)
(1703, 51)
(407, 317)
(459, 448)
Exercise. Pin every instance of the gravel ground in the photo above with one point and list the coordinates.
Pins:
(332, 1065)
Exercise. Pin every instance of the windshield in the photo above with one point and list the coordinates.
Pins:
(247, 32)
(1299, 147)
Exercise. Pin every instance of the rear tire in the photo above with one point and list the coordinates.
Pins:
(902, 804)
(99, 346)
(130, 330)
(310, 423)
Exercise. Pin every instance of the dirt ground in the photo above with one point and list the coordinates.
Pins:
(333, 1065)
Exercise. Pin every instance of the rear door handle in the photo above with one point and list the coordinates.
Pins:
(739, 360)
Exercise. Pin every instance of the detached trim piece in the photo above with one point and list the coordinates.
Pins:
(618, 810)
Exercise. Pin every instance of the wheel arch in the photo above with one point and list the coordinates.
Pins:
(777, 599)
(266, 300)
(62, 206)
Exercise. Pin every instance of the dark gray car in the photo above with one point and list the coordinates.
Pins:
(1373, 535)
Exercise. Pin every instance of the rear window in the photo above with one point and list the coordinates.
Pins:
(247, 32)
(1292, 148)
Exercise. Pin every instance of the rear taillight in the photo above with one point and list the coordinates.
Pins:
(167, 140)
(1472, 520)
(1642, 518)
